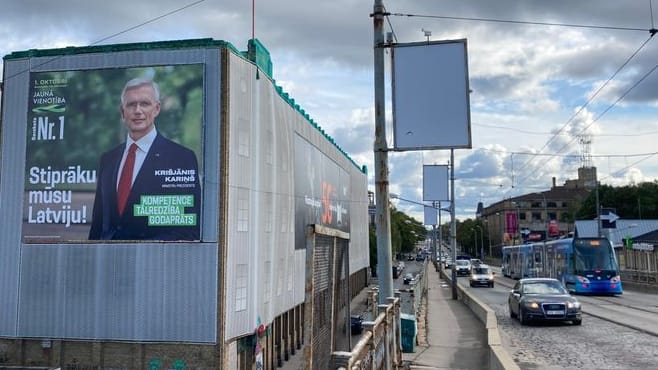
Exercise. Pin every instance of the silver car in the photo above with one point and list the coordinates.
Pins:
(463, 267)
(481, 275)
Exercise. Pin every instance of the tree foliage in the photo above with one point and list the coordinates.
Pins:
(406, 233)
(638, 201)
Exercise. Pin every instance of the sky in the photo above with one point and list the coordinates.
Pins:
(554, 84)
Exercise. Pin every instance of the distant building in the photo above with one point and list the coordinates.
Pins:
(537, 216)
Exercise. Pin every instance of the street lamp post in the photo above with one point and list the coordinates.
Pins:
(517, 232)
(481, 243)
(488, 237)
(502, 229)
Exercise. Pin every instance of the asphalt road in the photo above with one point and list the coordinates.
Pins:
(609, 340)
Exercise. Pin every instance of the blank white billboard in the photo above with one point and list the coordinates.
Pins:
(430, 214)
(435, 183)
(431, 96)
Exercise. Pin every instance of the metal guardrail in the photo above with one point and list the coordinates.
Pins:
(379, 345)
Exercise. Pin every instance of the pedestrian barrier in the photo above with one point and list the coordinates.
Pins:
(379, 343)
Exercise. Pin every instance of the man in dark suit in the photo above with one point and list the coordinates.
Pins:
(148, 187)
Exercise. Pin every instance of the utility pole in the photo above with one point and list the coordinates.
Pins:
(382, 209)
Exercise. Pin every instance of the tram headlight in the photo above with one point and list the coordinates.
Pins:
(583, 280)
(615, 279)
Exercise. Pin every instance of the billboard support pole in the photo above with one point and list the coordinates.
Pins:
(453, 223)
(382, 210)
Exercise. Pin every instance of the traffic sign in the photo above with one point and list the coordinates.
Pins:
(608, 218)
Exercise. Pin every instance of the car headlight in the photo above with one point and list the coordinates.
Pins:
(573, 304)
(532, 304)
(615, 279)
(583, 279)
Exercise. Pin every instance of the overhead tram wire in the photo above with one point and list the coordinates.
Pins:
(630, 165)
(493, 20)
(542, 133)
(637, 83)
(569, 155)
(177, 10)
(652, 31)
(591, 98)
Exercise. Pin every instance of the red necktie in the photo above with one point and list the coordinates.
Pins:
(126, 179)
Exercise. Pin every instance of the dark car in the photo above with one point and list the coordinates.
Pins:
(543, 299)
(356, 324)
(408, 278)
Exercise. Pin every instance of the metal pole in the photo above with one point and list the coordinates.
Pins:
(382, 209)
(453, 223)
(518, 224)
(434, 254)
(434, 243)
(489, 236)
(440, 240)
(481, 244)
(598, 211)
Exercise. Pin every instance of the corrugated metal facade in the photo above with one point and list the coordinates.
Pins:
(623, 228)
(11, 185)
(263, 265)
(145, 291)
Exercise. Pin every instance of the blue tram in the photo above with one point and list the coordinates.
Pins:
(584, 265)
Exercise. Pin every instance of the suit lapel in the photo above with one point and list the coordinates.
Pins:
(145, 179)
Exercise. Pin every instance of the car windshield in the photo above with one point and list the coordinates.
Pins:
(480, 270)
(543, 287)
(462, 262)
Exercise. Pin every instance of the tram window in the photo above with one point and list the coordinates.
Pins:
(537, 258)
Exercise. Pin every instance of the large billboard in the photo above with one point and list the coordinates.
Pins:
(322, 191)
(81, 124)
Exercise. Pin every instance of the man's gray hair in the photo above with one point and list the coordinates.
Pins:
(136, 82)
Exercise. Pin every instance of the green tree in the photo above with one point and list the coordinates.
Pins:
(471, 235)
(638, 201)
(406, 232)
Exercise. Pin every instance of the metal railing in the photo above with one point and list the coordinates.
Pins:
(379, 346)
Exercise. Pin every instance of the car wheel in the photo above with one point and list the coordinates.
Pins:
(511, 313)
(522, 319)
(471, 284)
(577, 322)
